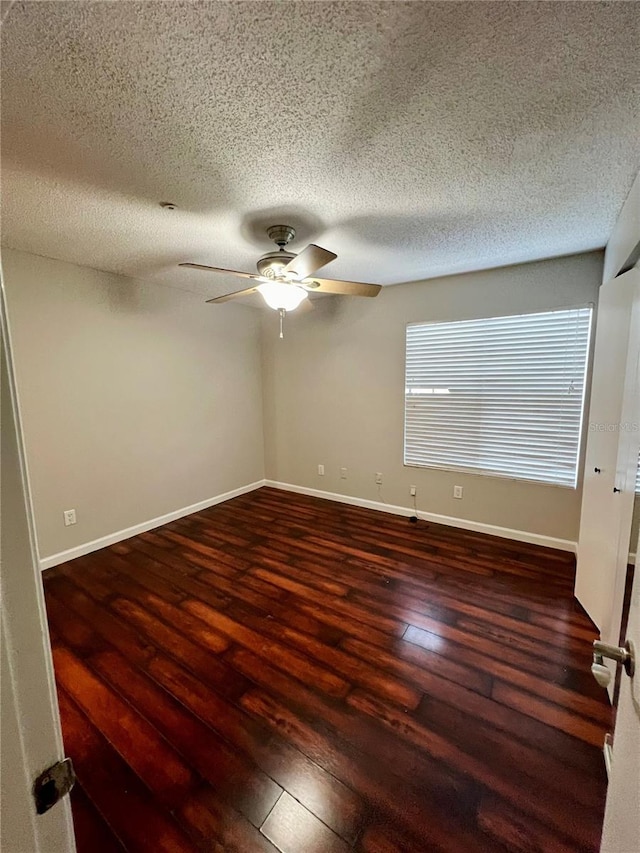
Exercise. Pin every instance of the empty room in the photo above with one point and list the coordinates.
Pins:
(320, 427)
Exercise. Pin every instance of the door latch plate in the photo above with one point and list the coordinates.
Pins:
(53, 784)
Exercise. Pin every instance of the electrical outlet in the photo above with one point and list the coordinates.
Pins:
(412, 491)
(321, 470)
(343, 473)
(69, 517)
(378, 479)
(457, 491)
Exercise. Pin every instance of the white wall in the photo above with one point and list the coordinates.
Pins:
(624, 242)
(136, 399)
(334, 393)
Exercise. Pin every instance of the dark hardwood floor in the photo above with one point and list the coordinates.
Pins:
(285, 673)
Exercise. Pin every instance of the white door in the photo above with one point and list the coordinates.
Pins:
(31, 738)
(621, 832)
(600, 567)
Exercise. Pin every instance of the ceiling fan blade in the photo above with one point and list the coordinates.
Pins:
(308, 261)
(233, 295)
(346, 288)
(250, 275)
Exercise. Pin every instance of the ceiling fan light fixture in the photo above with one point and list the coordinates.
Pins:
(285, 277)
(279, 295)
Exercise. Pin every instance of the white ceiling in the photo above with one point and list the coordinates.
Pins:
(414, 139)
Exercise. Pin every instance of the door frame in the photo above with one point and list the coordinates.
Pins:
(621, 825)
(29, 700)
(626, 468)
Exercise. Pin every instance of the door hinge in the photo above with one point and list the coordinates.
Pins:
(53, 784)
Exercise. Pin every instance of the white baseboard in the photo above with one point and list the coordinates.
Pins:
(448, 520)
(119, 535)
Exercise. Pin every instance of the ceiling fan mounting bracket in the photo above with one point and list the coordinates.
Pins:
(281, 234)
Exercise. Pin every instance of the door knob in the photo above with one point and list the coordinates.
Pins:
(622, 654)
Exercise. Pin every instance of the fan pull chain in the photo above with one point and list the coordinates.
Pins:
(282, 313)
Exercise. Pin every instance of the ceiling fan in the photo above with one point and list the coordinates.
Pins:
(284, 279)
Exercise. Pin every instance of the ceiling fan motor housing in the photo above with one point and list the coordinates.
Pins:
(272, 264)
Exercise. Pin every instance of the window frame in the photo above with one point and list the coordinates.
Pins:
(480, 472)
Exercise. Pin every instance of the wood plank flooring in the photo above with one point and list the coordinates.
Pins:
(281, 673)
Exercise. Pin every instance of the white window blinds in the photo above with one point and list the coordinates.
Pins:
(501, 396)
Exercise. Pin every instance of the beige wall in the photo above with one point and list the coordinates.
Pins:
(136, 399)
(334, 393)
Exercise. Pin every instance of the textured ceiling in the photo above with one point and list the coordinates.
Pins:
(414, 139)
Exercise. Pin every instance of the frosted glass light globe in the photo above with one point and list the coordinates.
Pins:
(278, 295)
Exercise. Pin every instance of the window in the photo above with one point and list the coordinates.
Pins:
(502, 396)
